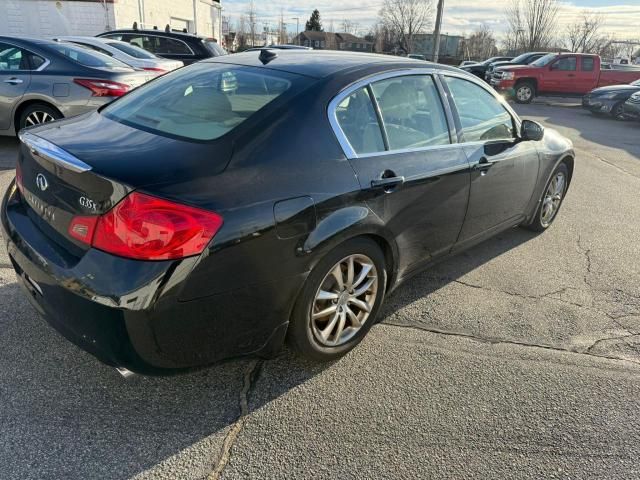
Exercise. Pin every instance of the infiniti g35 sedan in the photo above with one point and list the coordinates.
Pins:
(264, 197)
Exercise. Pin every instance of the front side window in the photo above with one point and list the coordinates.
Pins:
(565, 64)
(359, 123)
(202, 102)
(412, 112)
(482, 116)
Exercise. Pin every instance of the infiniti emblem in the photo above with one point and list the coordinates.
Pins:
(42, 182)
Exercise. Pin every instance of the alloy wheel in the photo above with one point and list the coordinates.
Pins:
(524, 93)
(552, 199)
(38, 117)
(344, 300)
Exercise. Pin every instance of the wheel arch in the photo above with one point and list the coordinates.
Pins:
(26, 104)
(532, 80)
(345, 225)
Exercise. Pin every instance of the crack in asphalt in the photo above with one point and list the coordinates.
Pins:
(611, 164)
(504, 341)
(250, 373)
(551, 296)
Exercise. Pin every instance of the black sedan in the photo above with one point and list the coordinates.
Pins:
(480, 69)
(189, 221)
(610, 100)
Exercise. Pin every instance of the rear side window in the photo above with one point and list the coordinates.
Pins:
(412, 112)
(88, 58)
(359, 122)
(13, 58)
(587, 64)
(172, 46)
(132, 50)
(202, 102)
(482, 116)
(566, 64)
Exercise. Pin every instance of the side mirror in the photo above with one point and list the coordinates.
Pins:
(531, 131)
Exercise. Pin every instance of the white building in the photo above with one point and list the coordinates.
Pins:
(90, 17)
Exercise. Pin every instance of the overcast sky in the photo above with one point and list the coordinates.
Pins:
(622, 17)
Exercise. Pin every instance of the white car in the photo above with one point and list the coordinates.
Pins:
(126, 53)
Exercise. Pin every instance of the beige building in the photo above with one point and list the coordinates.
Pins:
(89, 17)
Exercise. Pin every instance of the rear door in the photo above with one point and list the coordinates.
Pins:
(15, 77)
(561, 75)
(503, 169)
(396, 134)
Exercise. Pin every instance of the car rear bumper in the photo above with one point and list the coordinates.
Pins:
(598, 105)
(128, 313)
(632, 110)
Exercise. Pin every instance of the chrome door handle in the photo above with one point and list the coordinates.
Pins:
(387, 183)
(484, 164)
(13, 81)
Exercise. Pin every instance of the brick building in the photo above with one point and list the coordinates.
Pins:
(89, 17)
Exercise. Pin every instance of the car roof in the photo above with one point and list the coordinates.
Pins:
(322, 63)
(27, 39)
(151, 31)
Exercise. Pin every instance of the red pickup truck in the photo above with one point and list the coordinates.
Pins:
(558, 73)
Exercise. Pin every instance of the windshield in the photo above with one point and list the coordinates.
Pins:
(132, 50)
(216, 49)
(200, 102)
(636, 83)
(521, 58)
(544, 61)
(89, 58)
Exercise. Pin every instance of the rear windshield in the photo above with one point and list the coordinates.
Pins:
(132, 50)
(201, 102)
(214, 48)
(89, 58)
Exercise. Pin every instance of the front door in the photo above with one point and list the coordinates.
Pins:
(14, 80)
(412, 176)
(561, 76)
(503, 170)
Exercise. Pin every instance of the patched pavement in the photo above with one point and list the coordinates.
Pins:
(517, 359)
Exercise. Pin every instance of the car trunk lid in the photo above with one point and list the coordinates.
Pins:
(71, 169)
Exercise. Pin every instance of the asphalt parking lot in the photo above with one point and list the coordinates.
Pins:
(518, 359)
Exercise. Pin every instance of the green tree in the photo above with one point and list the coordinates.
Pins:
(314, 22)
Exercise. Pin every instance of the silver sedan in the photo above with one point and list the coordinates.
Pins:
(43, 80)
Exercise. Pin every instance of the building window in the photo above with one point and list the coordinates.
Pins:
(322, 43)
(342, 44)
(306, 43)
(316, 43)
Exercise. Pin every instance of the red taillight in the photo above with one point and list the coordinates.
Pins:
(149, 228)
(103, 88)
(19, 183)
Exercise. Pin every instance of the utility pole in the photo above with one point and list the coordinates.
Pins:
(297, 19)
(436, 32)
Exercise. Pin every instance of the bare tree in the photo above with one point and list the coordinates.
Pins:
(481, 44)
(251, 14)
(532, 24)
(241, 32)
(348, 26)
(584, 36)
(405, 19)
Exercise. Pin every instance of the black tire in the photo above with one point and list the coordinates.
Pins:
(617, 111)
(537, 224)
(521, 95)
(37, 110)
(301, 335)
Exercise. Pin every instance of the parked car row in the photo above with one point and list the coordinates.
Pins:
(42, 80)
(572, 74)
(621, 102)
